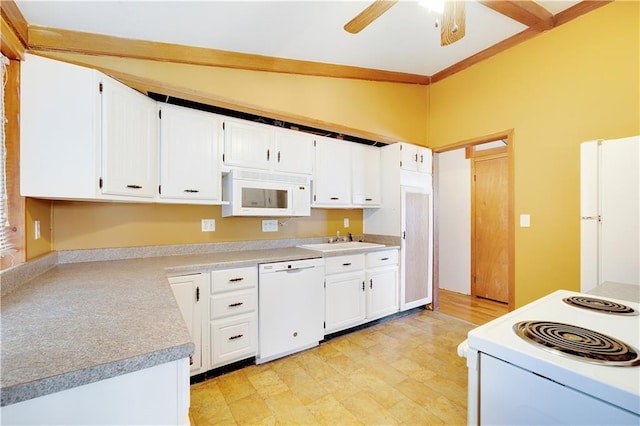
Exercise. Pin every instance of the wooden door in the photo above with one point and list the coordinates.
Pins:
(490, 227)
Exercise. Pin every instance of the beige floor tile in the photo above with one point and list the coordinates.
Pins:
(409, 412)
(289, 410)
(417, 392)
(250, 410)
(268, 383)
(235, 386)
(330, 411)
(340, 387)
(368, 411)
(206, 393)
(318, 368)
(213, 414)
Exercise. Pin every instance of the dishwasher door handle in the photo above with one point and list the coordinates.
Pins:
(296, 269)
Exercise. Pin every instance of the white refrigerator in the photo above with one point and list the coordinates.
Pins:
(609, 212)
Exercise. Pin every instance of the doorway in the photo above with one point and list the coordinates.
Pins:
(459, 255)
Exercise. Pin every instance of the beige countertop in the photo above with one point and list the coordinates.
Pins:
(78, 323)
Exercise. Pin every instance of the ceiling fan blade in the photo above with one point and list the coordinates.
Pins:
(453, 22)
(368, 15)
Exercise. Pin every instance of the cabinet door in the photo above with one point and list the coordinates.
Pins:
(332, 173)
(247, 144)
(293, 152)
(189, 292)
(424, 160)
(129, 141)
(365, 175)
(189, 161)
(344, 301)
(408, 157)
(382, 292)
(416, 249)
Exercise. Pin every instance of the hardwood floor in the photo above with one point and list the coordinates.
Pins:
(402, 371)
(468, 308)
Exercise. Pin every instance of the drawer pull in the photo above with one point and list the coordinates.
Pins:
(346, 264)
(237, 336)
(134, 187)
(385, 258)
(233, 305)
(235, 280)
(191, 191)
(335, 198)
(368, 199)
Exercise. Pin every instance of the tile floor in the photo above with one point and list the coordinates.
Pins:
(403, 371)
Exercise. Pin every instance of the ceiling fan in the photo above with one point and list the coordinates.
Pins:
(452, 25)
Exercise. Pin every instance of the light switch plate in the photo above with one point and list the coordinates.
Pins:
(346, 222)
(208, 225)
(270, 225)
(525, 221)
(36, 230)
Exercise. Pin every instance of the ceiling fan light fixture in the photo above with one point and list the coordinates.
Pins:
(436, 6)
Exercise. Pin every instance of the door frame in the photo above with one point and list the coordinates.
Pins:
(507, 135)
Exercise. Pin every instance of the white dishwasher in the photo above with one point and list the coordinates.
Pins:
(290, 307)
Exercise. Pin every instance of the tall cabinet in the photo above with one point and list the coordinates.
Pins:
(407, 213)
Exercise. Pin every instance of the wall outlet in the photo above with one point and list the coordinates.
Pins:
(346, 222)
(36, 229)
(208, 225)
(525, 221)
(270, 225)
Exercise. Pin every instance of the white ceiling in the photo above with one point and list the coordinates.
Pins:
(404, 39)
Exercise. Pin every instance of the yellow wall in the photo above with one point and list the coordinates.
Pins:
(82, 225)
(38, 210)
(575, 83)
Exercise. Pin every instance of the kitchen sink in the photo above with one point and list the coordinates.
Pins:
(339, 246)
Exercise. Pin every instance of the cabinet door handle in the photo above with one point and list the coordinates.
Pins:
(233, 305)
(371, 283)
(235, 280)
(422, 158)
(384, 258)
(197, 294)
(346, 264)
(362, 285)
(268, 155)
(404, 235)
(278, 156)
(191, 190)
(335, 198)
(237, 336)
(416, 158)
(134, 187)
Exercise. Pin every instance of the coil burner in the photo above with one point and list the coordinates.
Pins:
(600, 305)
(578, 343)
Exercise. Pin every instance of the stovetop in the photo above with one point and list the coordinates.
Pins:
(615, 384)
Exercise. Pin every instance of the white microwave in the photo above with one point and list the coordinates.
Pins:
(251, 193)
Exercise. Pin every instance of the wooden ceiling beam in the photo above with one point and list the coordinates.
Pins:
(15, 20)
(527, 12)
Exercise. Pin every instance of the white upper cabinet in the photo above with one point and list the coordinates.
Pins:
(332, 173)
(247, 144)
(415, 158)
(84, 135)
(129, 141)
(293, 151)
(260, 146)
(365, 175)
(189, 156)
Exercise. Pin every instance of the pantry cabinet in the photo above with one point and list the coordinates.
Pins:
(84, 135)
(332, 173)
(365, 175)
(189, 156)
(234, 319)
(263, 147)
(191, 293)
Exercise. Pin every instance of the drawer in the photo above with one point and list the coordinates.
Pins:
(339, 264)
(382, 258)
(233, 339)
(237, 302)
(234, 279)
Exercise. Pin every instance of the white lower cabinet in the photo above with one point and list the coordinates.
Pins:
(382, 282)
(234, 318)
(191, 293)
(360, 288)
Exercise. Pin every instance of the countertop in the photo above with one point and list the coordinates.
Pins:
(79, 323)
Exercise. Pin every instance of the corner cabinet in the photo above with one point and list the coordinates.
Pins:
(84, 135)
(191, 293)
(332, 173)
(189, 156)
